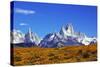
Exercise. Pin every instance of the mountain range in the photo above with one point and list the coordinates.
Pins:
(65, 37)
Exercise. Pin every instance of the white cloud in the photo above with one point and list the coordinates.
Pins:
(23, 24)
(24, 11)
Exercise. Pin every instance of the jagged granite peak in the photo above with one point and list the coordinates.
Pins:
(67, 30)
(67, 36)
(31, 37)
(28, 39)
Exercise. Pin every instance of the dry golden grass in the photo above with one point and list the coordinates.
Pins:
(36, 55)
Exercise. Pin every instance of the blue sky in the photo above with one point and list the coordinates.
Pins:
(46, 18)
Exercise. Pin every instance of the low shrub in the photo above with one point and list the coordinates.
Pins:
(17, 58)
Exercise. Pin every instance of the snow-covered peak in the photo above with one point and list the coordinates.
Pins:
(89, 40)
(31, 37)
(17, 36)
(67, 36)
(67, 30)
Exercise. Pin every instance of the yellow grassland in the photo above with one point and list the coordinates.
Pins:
(37, 55)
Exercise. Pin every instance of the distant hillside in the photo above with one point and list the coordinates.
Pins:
(36, 55)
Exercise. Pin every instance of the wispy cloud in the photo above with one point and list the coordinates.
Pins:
(23, 24)
(24, 11)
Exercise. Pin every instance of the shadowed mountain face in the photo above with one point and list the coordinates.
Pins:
(66, 37)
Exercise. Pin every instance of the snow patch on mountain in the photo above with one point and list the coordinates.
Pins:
(30, 37)
(67, 36)
(17, 36)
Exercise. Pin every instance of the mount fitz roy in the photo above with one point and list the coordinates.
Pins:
(65, 37)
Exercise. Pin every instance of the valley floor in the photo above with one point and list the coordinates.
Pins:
(68, 54)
